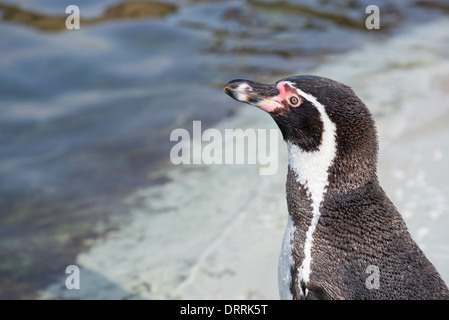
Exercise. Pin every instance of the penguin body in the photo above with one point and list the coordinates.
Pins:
(344, 238)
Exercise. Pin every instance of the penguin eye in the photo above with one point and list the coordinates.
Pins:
(294, 100)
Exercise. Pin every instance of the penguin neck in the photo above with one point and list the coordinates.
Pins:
(311, 170)
(312, 167)
(329, 171)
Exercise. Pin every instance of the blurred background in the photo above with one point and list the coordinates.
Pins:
(86, 115)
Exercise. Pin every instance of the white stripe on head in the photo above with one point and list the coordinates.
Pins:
(311, 169)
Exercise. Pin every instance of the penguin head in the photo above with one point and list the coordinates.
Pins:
(307, 109)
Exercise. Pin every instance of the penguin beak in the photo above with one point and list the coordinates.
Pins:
(263, 96)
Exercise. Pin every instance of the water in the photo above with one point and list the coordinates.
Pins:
(87, 114)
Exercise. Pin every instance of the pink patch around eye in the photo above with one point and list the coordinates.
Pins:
(284, 89)
(286, 92)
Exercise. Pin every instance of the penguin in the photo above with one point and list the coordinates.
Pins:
(344, 237)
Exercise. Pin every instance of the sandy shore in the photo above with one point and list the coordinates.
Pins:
(214, 232)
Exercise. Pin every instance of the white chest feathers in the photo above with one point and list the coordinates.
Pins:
(311, 169)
